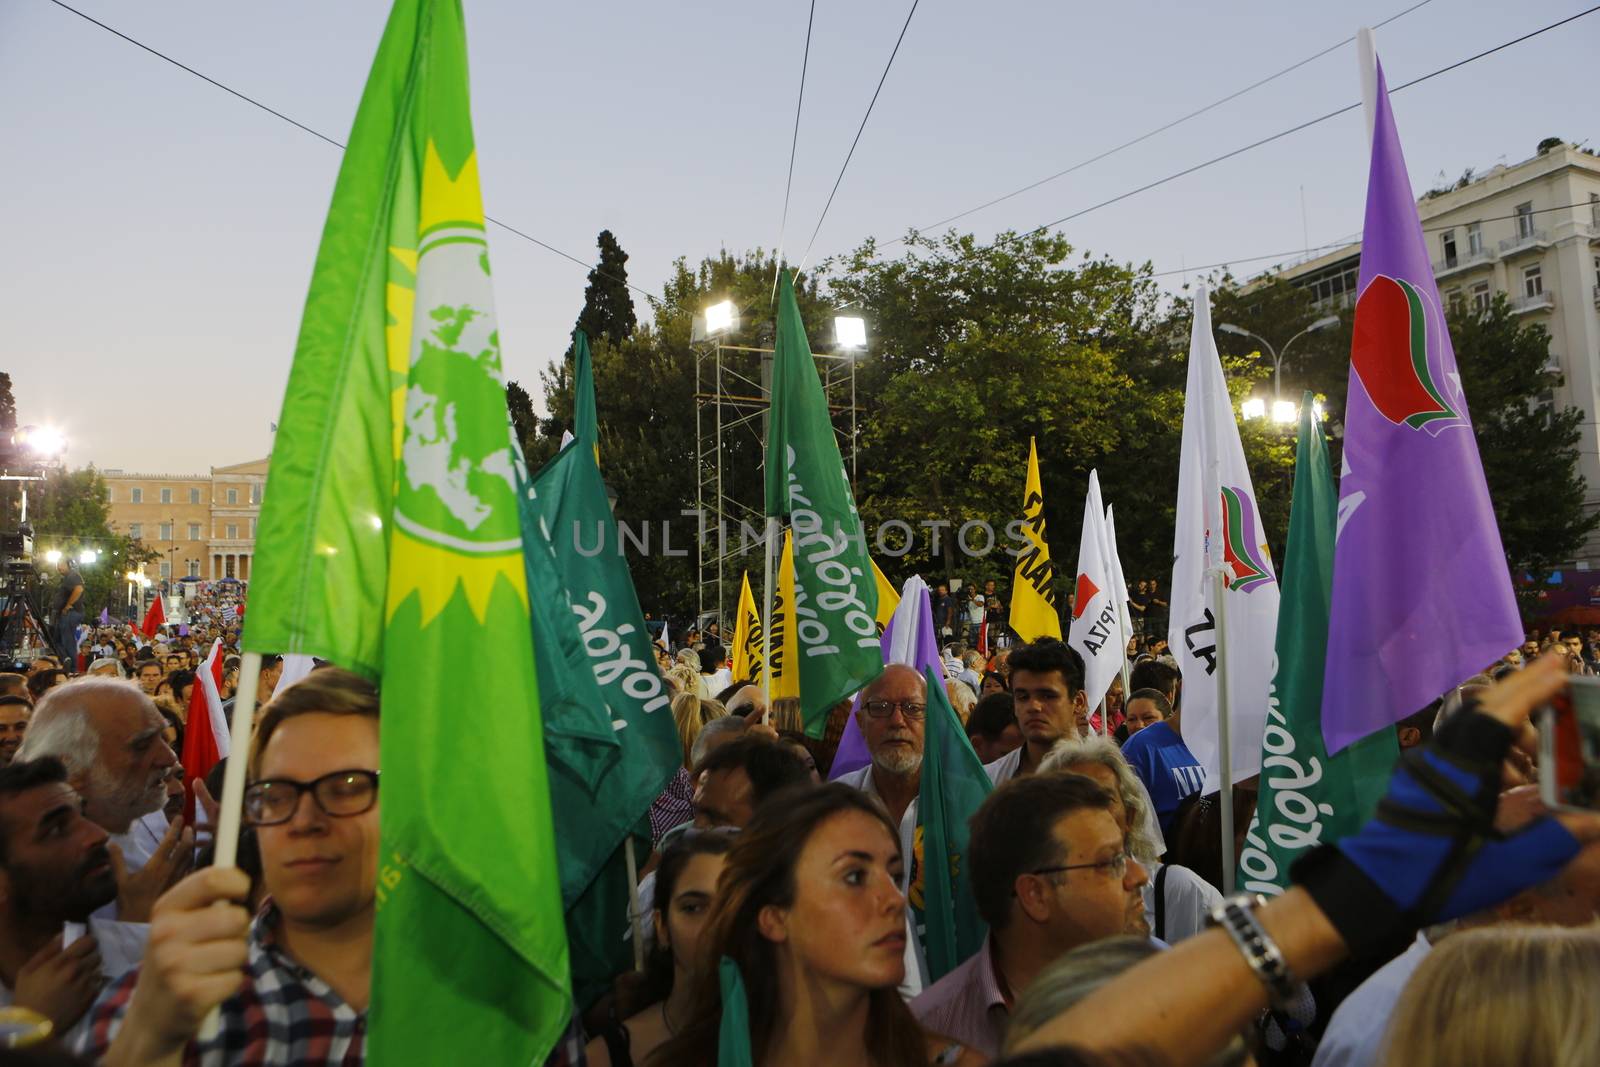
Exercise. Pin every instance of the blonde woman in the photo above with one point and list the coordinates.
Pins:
(1176, 900)
(1502, 995)
(691, 714)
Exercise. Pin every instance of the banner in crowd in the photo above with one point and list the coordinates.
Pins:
(600, 793)
(1219, 529)
(1307, 798)
(888, 599)
(954, 785)
(1033, 594)
(1422, 595)
(835, 600)
(747, 661)
(1096, 629)
(390, 544)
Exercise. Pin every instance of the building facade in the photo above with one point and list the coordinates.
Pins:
(204, 525)
(1532, 232)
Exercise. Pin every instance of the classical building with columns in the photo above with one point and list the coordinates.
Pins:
(204, 525)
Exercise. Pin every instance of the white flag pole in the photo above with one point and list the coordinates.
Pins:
(230, 805)
(1219, 578)
(1367, 57)
(766, 613)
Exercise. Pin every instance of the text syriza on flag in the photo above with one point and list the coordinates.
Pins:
(1218, 535)
(1422, 596)
(1096, 631)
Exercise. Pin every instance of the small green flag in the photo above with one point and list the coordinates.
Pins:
(1308, 798)
(390, 543)
(835, 592)
(954, 785)
(600, 793)
(733, 1032)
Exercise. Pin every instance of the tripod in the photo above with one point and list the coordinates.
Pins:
(17, 621)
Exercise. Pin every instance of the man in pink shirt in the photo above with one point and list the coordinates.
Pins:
(1051, 871)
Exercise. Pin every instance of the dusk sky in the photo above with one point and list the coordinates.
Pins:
(161, 232)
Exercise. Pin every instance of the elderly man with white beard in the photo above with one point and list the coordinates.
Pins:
(891, 715)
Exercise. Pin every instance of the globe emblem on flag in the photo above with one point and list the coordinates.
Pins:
(1396, 322)
(1246, 560)
(456, 473)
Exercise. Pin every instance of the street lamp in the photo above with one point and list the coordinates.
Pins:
(1278, 354)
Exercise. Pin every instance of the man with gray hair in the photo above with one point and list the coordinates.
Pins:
(891, 715)
(108, 735)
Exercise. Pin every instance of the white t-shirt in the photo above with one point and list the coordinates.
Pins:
(1189, 900)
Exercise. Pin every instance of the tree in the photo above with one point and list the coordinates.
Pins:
(607, 306)
(1529, 447)
(8, 405)
(69, 511)
(524, 421)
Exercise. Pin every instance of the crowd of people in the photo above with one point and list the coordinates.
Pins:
(1456, 928)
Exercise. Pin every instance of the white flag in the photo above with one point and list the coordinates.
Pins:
(1219, 527)
(1095, 632)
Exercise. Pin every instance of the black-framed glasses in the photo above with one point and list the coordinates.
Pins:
(883, 709)
(340, 794)
(1117, 865)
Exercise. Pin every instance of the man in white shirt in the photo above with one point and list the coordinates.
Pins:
(1047, 691)
(108, 735)
(891, 717)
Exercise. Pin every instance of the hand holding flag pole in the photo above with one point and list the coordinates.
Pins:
(231, 803)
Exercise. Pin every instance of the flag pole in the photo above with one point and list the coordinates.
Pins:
(635, 920)
(1225, 752)
(766, 613)
(230, 806)
(1367, 57)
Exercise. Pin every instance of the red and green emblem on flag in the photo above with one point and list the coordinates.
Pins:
(1390, 355)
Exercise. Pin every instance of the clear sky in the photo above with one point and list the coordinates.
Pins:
(160, 233)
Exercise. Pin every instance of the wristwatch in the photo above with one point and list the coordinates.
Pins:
(1236, 915)
(22, 1027)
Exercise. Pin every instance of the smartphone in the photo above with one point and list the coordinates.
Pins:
(1569, 747)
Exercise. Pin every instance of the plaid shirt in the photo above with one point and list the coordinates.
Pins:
(283, 1015)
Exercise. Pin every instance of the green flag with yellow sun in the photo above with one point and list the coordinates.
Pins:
(390, 543)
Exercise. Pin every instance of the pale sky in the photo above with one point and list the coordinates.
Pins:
(160, 233)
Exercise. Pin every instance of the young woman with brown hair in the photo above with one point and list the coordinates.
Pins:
(809, 908)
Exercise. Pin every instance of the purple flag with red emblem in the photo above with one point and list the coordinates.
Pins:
(1421, 592)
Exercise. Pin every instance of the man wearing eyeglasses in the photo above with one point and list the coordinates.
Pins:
(1050, 872)
(891, 716)
(307, 957)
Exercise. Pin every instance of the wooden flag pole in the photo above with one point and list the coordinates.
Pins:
(230, 806)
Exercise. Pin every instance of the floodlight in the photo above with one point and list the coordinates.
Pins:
(42, 441)
(53, 556)
(1285, 411)
(132, 576)
(720, 318)
(1253, 408)
(849, 331)
(88, 555)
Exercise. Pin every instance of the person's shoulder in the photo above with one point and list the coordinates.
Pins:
(856, 779)
(1143, 741)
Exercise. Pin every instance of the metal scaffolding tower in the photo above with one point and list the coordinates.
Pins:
(731, 398)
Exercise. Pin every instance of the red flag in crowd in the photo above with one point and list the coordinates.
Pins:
(205, 736)
(154, 618)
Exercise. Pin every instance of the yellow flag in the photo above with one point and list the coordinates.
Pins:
(888, 598)
(785, 637)
(1033, 597)
(746, 635)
